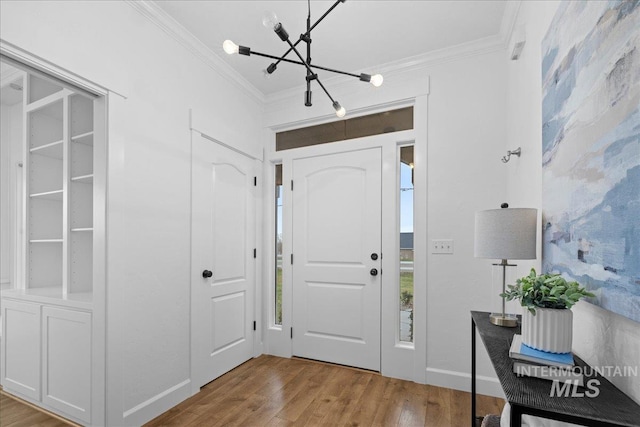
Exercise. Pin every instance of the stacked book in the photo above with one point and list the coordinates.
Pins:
(530, 362)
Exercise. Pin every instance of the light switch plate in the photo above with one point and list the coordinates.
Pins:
(442, 246)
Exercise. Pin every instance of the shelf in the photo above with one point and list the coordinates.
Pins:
(44, 103)
(52, 295)
(45, 241)
(82, 229)
(85, 138)
(84, 179)
(49, 195)
(53, 150)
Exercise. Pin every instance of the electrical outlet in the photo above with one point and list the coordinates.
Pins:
(441, 246)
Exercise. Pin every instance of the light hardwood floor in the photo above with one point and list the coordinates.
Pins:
(272, 391)
(14, 413)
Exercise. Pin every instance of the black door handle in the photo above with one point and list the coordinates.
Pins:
(207, 273)
(374, 256)
(374, 272)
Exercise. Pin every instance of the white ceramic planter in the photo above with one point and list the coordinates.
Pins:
(549, 330)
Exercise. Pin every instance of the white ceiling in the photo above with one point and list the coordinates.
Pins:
(355, 37)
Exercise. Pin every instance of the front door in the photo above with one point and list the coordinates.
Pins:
(223, 270)
(336, 258)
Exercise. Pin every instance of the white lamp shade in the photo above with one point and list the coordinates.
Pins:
(508, 233)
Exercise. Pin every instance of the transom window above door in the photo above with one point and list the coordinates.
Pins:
(357, 127)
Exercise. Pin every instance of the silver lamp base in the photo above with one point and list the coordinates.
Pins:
(506, 320)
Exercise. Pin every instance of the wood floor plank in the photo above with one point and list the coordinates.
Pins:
(319, 408)
(438, 408)
(414, 409)
(390, 408)
(367, 405)
(460, 405)
(345, 406)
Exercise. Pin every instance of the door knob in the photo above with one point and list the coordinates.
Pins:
(374, 272)
(374, 256)
(207, 273)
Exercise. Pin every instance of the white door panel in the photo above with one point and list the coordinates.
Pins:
(21, 348)
(223, 238)
(336, 228)
(66, 375)
(230, 311)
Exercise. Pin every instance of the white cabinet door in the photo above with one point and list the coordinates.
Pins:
(66, 361)
(21, 348)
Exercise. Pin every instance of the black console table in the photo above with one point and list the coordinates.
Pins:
(532, 395)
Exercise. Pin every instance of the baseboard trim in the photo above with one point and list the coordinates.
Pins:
(39, 409)
(489, 386)
(158, 404)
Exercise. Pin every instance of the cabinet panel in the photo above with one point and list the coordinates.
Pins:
(66, 364)
(21, 348)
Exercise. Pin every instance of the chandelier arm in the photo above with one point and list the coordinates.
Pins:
(308, 33)
(309, 69)
(325, 91)
(325, 14)
(291, 61)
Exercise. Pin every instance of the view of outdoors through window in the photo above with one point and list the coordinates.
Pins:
(406, 243)
(278, 242)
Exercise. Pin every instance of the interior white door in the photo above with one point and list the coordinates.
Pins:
(336, 258)
(223, 270)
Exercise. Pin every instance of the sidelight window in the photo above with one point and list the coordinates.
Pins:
(406, 243)
(278, 245)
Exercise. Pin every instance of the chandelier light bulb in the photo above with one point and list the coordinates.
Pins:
(340, 111)
(376, 80)
(230, 47)
(270, 20)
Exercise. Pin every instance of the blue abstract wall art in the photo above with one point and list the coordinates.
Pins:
(591, 150)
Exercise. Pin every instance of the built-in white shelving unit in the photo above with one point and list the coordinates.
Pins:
(59, 181)
(48, 315)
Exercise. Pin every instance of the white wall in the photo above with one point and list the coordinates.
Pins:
(148, 299)
(601, 338)
(466, 140)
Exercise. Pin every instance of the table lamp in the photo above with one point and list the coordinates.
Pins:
(507, 233)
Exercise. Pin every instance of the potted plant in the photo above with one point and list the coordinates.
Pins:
(548, 321)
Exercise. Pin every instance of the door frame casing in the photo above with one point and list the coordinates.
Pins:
(399, 360)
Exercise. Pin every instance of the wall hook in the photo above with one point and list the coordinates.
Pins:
(515, 152)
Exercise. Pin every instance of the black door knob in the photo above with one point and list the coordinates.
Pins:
(374, 272)
(206, 274)
(374, 256)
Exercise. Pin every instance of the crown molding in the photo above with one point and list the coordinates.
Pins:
(415, 63)
(154, 13)
(509, 17)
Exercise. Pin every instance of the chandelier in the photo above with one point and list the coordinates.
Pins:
(270, 20)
